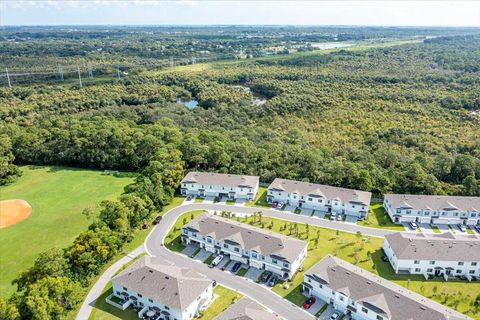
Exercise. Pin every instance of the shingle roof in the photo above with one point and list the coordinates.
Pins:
(163, 282)
(418, 202)
(229, 180)
(246, 309)
(249, 238)
(440, 247)
(378, 294)
(327, 192)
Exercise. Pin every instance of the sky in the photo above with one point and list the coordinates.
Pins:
(206, 12)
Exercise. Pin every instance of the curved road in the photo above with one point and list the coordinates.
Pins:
(154, 247)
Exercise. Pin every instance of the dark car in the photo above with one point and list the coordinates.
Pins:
(266, 276)
(309, 303)
(236, 266)
(157, 220)
(145, 226)
(272, 281)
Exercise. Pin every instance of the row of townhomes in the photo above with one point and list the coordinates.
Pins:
(253, 246)
(231, 186)
(440, 255)
(320, 197)
(246, 309)
(433, 209)
(365, 296)
(160, 290)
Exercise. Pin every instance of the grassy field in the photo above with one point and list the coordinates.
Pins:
(260, 200)
(172, 240)
(225, 298)
(58, 196)
(378, 218)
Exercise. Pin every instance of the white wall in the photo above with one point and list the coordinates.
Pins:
(215, 190)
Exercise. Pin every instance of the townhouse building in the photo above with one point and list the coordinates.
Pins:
(210, 184)
(160, 290)
(320, 197)
(365, 296)
(246, 309)
(433, 209)
(440, 255)
(253, 246)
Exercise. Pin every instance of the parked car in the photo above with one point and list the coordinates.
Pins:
(266, 276)
(189, 198)
(145, 226)
(335, 316)
(274, 204)
(272, 281)
(157, 220)
(462, 227)
(413, 225)
(214, 283)
(307, 304)
(339, 217)
(332, 217)
(236, 266)
(280, 205)
(216, 261)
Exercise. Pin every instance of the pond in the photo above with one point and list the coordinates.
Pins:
(258, 99)
(330, 45)
(190, 104)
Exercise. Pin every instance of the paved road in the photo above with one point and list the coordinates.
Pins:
(272, 301)
(284, 215)
(255, 291)
(96, 291)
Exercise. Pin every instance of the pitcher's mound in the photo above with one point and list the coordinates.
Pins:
(13, 211)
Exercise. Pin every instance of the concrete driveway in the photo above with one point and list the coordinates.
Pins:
(202, 255)
(316, 307)
(192, 200)
(240, 202)
(425, 228)
(306, 212)
(351, 219)
(208, 199)
(320, 214)
(224, 263)
(253, 274)
(189, 250)
(290, 208)
(327, 313)
(443, 228)
(407, 227)
(223, 200)
(457, 229)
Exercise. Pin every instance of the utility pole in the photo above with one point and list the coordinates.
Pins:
(8, 78)
(60, 71)
(90, 75)
(79, 76)
(118, 71)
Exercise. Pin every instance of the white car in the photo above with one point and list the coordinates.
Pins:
(216, 261)
(335, 316)
(339, 217)
(332, 217)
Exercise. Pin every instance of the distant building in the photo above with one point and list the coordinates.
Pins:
(208, 184)
(161, 289)
(320, 197)
(255, 247)
(365, 296)
(246, 309)
(433, 209)
(441, 255)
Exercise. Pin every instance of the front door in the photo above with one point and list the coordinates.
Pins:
(437, 272)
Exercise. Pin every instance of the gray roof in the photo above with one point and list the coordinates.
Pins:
(440, 247)
(163, 282)
(222, 179)
(249, 238)
(319, 190)
(246, 309)
(375, 293)
(435, 203)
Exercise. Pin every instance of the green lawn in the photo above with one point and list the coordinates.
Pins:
(242, 272)
(378, 218)
(225, 298)
(172, 241)
(198, 199)
(435, 229)
(260, 200)
(58, 196)
(230, 202)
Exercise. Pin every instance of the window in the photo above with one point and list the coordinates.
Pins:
(167, 308)
(185, 231)
(274, 261)
(341, 298)
(459, 271)
(150, 300)
(209, 240)
(460, 263)
(379, 318)
(237, 250)
(474, 264)
(320, 285)
(138, 294)
(365, 310)
(286, 265)
(427, 213)
(310, 199)
(194, 235)
(430, 270)
(125, 289)
(417, 269)
(416, 262)
(225, 245)
(471, 271)
(254, 255)
(432, 262)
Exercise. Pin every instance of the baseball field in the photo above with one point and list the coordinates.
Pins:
(43, 209)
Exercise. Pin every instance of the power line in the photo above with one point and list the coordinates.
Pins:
(8, 78)
(79, 76)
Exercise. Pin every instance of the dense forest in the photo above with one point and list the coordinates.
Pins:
(384, 118)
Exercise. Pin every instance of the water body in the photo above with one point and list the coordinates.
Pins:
(258, 99)
(190, 104)
(330, 45)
